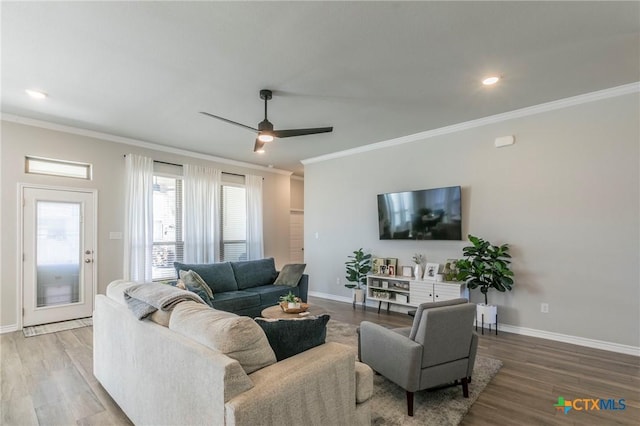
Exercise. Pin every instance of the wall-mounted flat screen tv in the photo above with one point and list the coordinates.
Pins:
(428, 214)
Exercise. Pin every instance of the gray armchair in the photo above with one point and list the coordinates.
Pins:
(439, 348)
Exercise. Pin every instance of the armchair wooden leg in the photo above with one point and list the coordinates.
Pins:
(465, 387)
(410, 403)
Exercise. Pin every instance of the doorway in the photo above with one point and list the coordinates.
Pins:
(296, 236)
(58, 254)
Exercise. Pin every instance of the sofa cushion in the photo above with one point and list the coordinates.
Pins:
(289, 337)
(218, 276)
(290, 274)
(253, 273)
(233, 301)
(196, 284)
(270, 294)
(237, 337)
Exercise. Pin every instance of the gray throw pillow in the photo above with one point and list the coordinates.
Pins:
(289, 337)
(290, 274)
(196, 284)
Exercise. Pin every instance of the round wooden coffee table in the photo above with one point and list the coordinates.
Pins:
(276, 312)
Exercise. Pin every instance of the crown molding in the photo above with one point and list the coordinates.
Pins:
(518, 113)
(134, 142)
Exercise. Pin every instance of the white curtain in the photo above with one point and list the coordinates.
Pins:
(138, 222)
(201, 214)
(255, 246)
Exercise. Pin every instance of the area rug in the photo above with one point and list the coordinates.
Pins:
(37, 330)
(444, 406)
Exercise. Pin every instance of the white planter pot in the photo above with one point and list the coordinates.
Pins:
(293, 305)
(358, 295)
(490, 313)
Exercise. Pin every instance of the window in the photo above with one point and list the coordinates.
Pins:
(168, 245)
(46, 166)
(233, 239)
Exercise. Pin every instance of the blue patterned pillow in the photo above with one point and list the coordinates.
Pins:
(196, 284)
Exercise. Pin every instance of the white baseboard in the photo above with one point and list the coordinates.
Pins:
(8, 328)
(574, 340)
(549, 335)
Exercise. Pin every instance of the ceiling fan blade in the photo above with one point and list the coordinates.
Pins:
(259, 146)
(229, 121)
(300, 132)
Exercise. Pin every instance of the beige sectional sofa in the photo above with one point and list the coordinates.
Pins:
(196, 365)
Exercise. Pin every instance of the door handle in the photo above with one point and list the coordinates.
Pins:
(88, 260)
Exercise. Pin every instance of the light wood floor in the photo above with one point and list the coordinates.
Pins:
(48, 379)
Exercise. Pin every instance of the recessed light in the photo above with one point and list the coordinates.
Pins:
(490, 80)
(36, 94)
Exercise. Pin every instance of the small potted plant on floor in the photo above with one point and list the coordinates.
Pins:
(485, 266)
(358, 266)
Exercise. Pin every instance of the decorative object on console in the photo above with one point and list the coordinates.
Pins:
(450, 270)
(486, 266)
(391, 270)
(431, 270)
(377, 263)
(419, 260)
(407, 271)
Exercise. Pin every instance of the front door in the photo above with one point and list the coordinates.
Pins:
(58, 241)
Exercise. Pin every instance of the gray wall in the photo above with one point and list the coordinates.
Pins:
(107, 158)
(565, 197)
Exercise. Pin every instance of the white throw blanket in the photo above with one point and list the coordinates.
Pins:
(145, 299)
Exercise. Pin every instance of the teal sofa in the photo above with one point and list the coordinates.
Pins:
(244, 288)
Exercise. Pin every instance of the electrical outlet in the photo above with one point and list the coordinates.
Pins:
(544, 308)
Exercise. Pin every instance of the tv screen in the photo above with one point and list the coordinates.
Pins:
(428, 214)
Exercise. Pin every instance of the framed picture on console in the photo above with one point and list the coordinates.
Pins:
(376, 264)
(391, 270)
(407, 271)
(431, 270)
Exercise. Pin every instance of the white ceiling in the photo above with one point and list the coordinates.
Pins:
(373, 70)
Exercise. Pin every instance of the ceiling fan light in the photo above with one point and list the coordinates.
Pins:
(490, 80)
(258, 147)
(36, 94)
(264, 137)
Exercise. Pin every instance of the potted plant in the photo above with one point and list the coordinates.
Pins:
(485, 266)
(357, 267)
(292, 301)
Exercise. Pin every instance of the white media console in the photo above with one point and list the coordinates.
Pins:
(412, 292)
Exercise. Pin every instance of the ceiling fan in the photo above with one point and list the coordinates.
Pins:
(265, 128)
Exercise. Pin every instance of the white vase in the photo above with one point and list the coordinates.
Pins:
(293, 305)
(417, 271)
